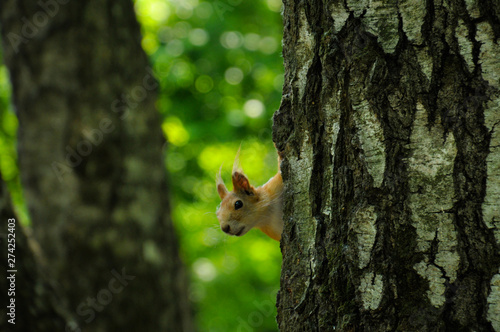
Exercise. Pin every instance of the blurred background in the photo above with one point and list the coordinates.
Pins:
(221, 73)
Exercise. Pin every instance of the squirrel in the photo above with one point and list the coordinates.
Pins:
(247, 207)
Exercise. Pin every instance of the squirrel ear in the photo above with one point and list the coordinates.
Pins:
(221, 187)
(241, 183)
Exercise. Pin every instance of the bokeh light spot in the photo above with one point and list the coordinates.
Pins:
(204, 10)
(175, 48)
(274, 5)
(251, 41)
(175, 131)
(181, 29)
(198, 37)
(231, 39)
(175, 162)
(268, 45)
(253, 108)
(233, 75)
(164, 34)
(159, 11)
(181, 71)
(204, 84)
(204, 269)
(149, 43)
(184, 12)
(236, 118)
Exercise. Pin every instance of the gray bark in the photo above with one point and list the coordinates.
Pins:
(389, 126)
(91, 163)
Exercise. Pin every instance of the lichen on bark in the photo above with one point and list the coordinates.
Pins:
(381, 19)
(464, 44)
(494, 302)
(413, 16)
(339, 15)
(489, 59)
(363, 225)
(371, 289)
(430, 177)
(306, 44)
(371, 138)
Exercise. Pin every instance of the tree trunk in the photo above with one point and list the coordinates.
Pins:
(34, 301)
(389, 125)
(91, 164)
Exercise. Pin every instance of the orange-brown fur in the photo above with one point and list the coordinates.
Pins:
(261, 206)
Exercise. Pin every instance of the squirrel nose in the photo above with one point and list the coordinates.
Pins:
(226, 228)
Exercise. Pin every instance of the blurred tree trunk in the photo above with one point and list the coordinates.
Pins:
(390, 128)
(91, 163)
(37, 306)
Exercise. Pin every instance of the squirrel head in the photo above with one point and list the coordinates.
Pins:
(237, 211)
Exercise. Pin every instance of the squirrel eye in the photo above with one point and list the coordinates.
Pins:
(238, 205)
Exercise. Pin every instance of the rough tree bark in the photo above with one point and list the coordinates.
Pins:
(389, 125)
(91, 164)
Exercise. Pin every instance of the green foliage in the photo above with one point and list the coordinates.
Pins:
(8, 159)
(221, 76)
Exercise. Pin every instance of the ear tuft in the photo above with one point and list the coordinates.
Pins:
(236, 164)
(221, 187)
